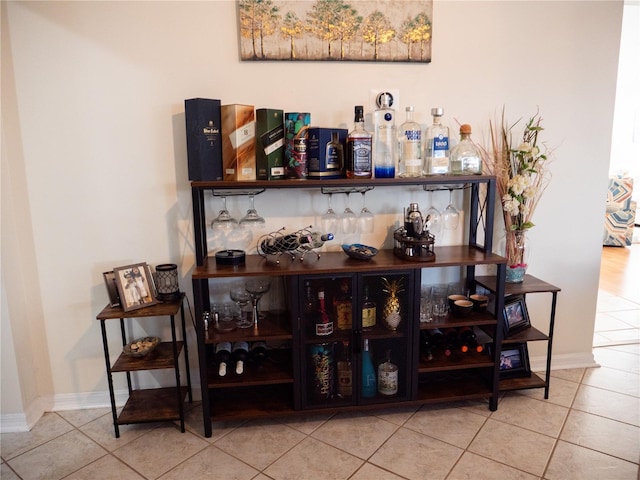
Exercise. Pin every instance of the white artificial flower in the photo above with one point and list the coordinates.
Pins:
(511, 205)
(524, 147)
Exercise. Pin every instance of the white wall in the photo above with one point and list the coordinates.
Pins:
(96, 144)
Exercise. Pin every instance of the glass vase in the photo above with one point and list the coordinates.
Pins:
(516, 248)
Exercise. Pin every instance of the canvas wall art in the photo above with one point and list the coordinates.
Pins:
(336, 30)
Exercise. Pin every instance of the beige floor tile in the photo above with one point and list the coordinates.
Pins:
(606, 403)
(598, 433)
(630, 317)
(50, 426)
(522, 449)
(451, 425)
(572, 461)
(312, 460)
(212, 464)
(356, 433)
(607, 321)
(306, 423)
(537, 415)
(77, 418)
(159, 450)
(616, 359)
(628, 348)
(273, 438)
(57, 458)
(371, 472)
(612, 303)
(397, 415)
(7, 474)
(569, 374)
(193, 423)
(105, 468)
(472, 466)
(101, 431)
(416, 456)
(612, 379)
(561, 392)
(629, 335)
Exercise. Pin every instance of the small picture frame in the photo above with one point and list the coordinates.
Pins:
(516, 315)
(514, 361)
(112, 288)
(135, 286)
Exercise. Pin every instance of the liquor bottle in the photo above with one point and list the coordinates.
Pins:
(369, 313)
(410, 162)
(239, 354)
(465, 158)
(437, 145)
(468, 340)
(368, 373)
(324, 324)
(258, 355)
(426, 345)
(388, 377)
(322, 371)
(334, 156)
(345, 373)
(309, 307)
(451, 341)
(342, 306)
(359, 146)
(222, 357)
(384, 150)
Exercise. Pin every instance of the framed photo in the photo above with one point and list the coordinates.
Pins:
(112, 288)
(514, 361)
(135, 286)
(516, 315)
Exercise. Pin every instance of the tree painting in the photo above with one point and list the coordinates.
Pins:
(336, 30)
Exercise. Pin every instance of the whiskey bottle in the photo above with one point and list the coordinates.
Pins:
(345, 374)
(342, 306)
(388, 377)
(384, 149)
(324, 324)
(334, 157)
(359, 146)
(368, 311)
(465, 158)
(410, 147)
(368, 373)
(437, 145)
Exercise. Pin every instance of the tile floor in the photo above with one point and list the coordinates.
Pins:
(589, 428)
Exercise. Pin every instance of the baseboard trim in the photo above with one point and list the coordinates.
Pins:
(563, 361)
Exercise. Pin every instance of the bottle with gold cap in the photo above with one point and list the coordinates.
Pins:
(465, 157)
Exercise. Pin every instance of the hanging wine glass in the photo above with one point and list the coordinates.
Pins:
(224, 218)
(329, 220)
(257, 287)
(252, 218)
(349, 219)
(366, 218)
(451, 216)
(434, 218)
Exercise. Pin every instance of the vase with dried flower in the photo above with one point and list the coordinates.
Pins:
(522, 176)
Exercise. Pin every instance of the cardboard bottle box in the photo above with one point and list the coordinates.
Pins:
(204, 142)
(270, 144)
(238, 142)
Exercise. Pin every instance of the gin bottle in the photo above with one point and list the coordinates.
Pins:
(384, 150)
(368, 373)
(437, 145)
(359, 143)
(410, 147)
(388, 377)
(465, 158)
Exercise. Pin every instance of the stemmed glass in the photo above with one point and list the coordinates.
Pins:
(349, 219)
(329, 220)
(224, 218)
(434, 222)
(252, 218)
(257, 287)
(242, 298)
(451, 216)
(366, 218)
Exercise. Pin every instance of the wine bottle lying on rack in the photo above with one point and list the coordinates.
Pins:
(223, 357)
(239, 354)
(275, 244)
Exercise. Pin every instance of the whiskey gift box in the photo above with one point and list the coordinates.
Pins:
(325, 152)
(295, 146)
(238, 142)
(269, 144)
(204, 145)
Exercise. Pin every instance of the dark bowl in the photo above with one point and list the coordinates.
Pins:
(359, 251)
(462, 308)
